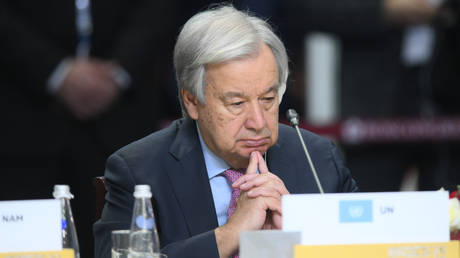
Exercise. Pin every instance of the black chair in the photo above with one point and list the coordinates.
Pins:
(101, 190)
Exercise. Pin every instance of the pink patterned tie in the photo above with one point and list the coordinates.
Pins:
(232, 176)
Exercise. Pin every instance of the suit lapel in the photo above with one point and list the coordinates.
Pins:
(279, 163)
(190, 180)
(287, 160)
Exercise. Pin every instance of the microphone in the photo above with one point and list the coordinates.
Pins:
(294, 120)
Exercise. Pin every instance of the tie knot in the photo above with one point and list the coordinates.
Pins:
(232, 175)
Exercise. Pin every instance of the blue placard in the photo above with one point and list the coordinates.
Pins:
(353, 211)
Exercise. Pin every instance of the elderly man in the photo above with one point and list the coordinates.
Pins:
(223, 168)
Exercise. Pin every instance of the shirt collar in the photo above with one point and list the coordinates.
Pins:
(214, 164)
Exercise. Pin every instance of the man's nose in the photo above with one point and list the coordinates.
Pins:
(255, 117)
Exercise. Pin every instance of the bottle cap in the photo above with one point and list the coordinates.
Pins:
(62, 191)
(142, 191)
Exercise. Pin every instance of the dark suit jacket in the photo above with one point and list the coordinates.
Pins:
(172, 163)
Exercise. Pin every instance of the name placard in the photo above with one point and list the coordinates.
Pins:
(64, 253)
(368, 218)
(409, 250)
(32, 225)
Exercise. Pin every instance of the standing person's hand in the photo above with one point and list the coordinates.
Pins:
(89, 88)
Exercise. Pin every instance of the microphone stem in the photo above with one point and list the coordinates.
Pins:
(309, 160)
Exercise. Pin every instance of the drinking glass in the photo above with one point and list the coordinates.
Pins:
(120, 243)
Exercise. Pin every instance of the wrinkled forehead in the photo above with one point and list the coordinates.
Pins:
(256, 73)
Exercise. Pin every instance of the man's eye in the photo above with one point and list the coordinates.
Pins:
(269, 99)
(236, 104)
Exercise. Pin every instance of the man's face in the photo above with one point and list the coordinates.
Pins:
(241, 111)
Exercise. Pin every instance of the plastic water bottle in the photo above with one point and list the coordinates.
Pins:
(69, 233)
(143, 239)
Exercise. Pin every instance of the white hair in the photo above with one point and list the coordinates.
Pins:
(219, 35)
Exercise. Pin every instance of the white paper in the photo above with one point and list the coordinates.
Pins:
(33, 225)
(268, 244)
(366, 218)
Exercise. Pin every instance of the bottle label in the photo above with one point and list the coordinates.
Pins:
(145, 223)
(63, 224)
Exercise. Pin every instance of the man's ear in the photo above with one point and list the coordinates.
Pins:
(191, 103)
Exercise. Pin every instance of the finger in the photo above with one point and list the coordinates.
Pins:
(277, 220)
(268, 180)
(273, 204)
(265, 192)
(277, 190)
(243, 179)
(255, 181)
(263, 169)
(267, 225)
(274, 188)
(253, 160)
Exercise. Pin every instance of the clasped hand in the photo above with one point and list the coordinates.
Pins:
(89, 89)
(258, 207)
(259, 204)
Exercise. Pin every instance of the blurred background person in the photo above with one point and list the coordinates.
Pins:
(445, 82)
(391, 65)
(79, 80)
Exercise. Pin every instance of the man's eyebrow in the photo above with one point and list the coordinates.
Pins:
(272, 88)
(232, 94)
